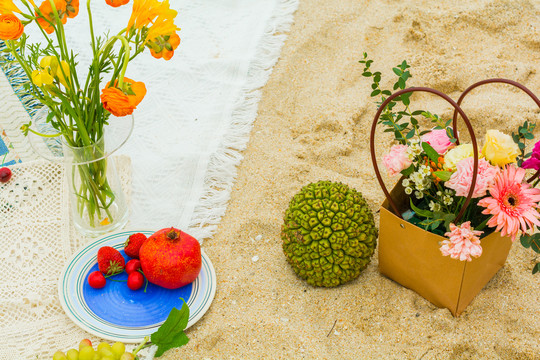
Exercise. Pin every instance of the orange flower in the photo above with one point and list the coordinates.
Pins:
(11, 28)
(48, 14)
(122, 102)
(72, 8)
(8, 7)
(164, 46)
(116, 3)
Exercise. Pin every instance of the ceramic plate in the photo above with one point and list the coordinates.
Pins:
(117, 313)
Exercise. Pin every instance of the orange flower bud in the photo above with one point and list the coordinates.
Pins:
(11, 28)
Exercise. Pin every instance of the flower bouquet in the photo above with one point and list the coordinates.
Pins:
(467, 201)
(80, 102)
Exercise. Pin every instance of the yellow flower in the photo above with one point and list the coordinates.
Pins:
(42, 78)
(499, 148)
(455, 155)
(8, 7)
(56, 69)
(156, 15)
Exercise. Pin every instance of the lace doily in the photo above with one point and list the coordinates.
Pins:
(37, 238)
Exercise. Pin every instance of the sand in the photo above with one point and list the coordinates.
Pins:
(312, 125)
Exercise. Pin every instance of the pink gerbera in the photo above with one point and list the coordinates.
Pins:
(463, 242)
(512, 203)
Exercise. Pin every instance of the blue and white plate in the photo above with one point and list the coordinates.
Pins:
(117, 313)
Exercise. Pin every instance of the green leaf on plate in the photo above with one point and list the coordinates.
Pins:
(171, 334)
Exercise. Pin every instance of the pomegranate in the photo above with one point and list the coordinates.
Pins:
(170, 258)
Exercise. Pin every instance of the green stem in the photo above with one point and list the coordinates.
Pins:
(141, 345)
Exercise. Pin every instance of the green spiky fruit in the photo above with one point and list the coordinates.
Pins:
(328, 234)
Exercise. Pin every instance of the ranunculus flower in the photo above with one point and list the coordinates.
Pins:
(116, 3)
(499, 148)
(11, 28)
(48, 14)
(164, 46)
(396, 160)
(460, 181)
(438, 139)
(463, 242)
(534, 161)
(122, 102)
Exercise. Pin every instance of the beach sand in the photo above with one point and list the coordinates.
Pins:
(313, 124)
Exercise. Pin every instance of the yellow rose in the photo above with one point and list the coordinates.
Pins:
(455, 155)
(499, 148)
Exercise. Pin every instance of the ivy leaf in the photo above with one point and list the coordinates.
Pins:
(424, 213)
(430, 152)
(171, 334)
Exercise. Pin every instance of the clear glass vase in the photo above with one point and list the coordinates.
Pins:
(96, 196)
(97, 200)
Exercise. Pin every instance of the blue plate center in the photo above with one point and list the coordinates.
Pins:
(119, 305)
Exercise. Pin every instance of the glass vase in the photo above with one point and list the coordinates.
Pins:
(96, 196)
(97, 199)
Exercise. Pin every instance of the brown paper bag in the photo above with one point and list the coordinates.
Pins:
(410, 256)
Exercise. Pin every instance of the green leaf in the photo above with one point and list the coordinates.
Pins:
(523, 130)
(397, 71)
(374, 86)
(405, 97)
(424, 213)
(410, 134)
(430, 152)
(435, 224)
(408, 171)
(414, 122)
(377, 77)
(536, 268)
(401, 83)
(366, 74)
(528, 136)
(443, 175)
(406, 75)
(404, 65)
(387, 92)
(521, 145)
(171, 334)
(396, 86)
(375, 92)
(418, 112)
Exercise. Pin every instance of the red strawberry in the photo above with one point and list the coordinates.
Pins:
(110, 261)
(133, 244)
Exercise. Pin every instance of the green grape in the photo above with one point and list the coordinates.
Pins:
(59, 355)
(118, 349)
(96, 356)
(127, 356)
(72, 354)
(103, 345)
(87, 353)
(84, 343)
(106, 352)
(107, 357)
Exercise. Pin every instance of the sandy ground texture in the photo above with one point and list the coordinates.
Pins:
(312, 125)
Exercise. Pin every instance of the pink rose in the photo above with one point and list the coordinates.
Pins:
(461, 179)
(438, 139)
(397, 160)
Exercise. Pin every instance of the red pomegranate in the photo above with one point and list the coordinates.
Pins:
(170, 258)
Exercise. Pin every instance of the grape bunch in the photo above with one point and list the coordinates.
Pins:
(104, 351)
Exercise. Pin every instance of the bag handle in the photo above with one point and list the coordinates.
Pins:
(469, 128)
(491, 81)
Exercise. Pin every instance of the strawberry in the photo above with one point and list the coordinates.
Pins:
(110, 261)
(133, 244)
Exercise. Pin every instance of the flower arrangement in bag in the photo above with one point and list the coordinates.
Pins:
(437, 174)
(79, 108)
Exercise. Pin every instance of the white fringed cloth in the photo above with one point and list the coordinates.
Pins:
(179, 163)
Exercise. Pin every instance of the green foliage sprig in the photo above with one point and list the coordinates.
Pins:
(524, 133)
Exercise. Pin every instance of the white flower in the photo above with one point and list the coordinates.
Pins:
(439, 193)
(417, 177)
(418, 194)
(420, 186)
(424, 170)
(433, 206)
(405, 182)
(408, 190)
(448, 200)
